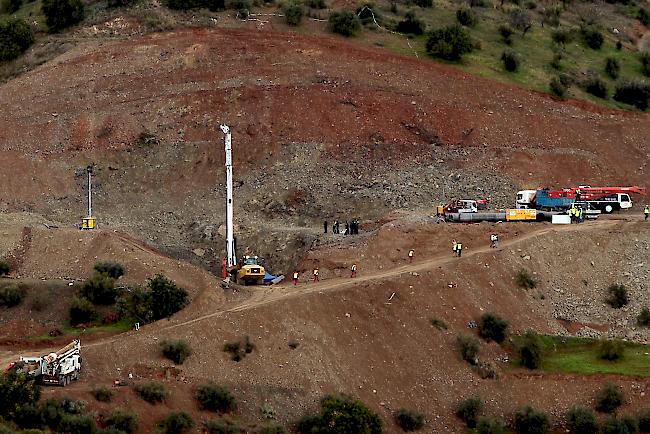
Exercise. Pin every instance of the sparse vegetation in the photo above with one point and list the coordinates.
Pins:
(166, 298)
(582, 420)
(102, 394)
(506, 33)
(176, 351)
(272, 429)
(111, 269)
(468, 409)
(488, 425)
(468, 346)
(342, 414)
(612, 425)
(531, 350)
(525, 280)
(238, 349)
(11, 296)
(612, 67)
(510, 60)
(633, 92)
(645, 64)
(222, 427)
(609, 398)
(592, 37)
(177, 422)
(617, 296)
(152, 392)
(215, 398)
(409, 420)
(345, 23)
(531, 421)
(611, 350)
(466, 17)
(100, 289)
(16, 390)
(60, 14)
(643, 319)
(16, 36)
(557, 87)
(4, 266)
(596, 86)
(81, 311)
(293, 13)
(449, 43)
(644, 16)
(492, 327)
(439, 324)
(123, 421)
(562, 36)
(411, 24)
(316, 4)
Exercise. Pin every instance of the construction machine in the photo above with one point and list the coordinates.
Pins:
(248, 271)
(605, 199)
(455, 206)
(58, 368)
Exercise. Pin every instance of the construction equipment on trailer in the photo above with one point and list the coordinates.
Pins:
(57, 368)
(605, 199)
(462, 206)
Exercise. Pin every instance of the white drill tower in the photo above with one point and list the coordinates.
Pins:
(89, 169)
(230, 238)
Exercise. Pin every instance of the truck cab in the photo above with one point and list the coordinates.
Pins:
(525, 199)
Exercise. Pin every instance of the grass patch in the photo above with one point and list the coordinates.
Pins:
(583, 356)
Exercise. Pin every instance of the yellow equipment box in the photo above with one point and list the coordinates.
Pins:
(88, 223)
(521, 214)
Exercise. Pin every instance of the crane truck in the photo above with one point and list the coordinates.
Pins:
(57, 368)
(605, 199)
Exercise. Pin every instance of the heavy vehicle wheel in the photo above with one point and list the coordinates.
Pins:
(608, 209)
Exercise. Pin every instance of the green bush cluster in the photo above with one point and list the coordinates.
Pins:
(212, 5)
(342, 413)
(506, 33)
(611, 350)
(4, 265)
(16, 36)
(609, 398)
(449, 43)
(468, 346)
(592, 37)
(316, 4)
(102, 394)
(582, 420)
(468, 409)
(113, 270)
(409, 420)
(11, 296)
(531, 421)
(239, 349)
(152, 392)
(166, 297)
(643, 319)
(123, 421)
(637, 94)
(176, 351)
(492, 327)
(510, 60)
(612, 67)
(488, 425)
(617, 296)
(466, 17)
(557, 87)
(60, 14)
(293, 13)
(176, 422)
(82, 311)
(525, 280)
(215, 398)
(100, 289)
(345, 23)
(530, 350)
(411, 24)
(596, 86)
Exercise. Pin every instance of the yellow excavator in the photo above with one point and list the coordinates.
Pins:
(249, 271)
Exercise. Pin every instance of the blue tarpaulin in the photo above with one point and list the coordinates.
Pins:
(268, 277)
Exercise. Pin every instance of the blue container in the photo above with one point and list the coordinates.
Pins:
(544, 202)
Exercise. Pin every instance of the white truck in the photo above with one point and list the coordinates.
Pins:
(57, 368)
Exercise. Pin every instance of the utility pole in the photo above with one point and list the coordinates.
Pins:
(230, 238)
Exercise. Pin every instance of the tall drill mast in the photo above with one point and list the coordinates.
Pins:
(230, 238)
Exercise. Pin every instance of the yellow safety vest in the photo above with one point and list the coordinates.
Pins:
(459, 246)
(316, 272)
(646, 210)
(354, 267)
(295, 275)
(410, 253)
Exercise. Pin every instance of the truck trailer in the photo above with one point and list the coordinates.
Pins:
(604, 199)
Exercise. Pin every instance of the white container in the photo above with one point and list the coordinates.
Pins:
(561, 219)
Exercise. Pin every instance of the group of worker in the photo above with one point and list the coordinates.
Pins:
(316, 274)
(576, 213)
(351, 228)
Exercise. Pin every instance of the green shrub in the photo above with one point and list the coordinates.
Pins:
(617, 296)
(592, 37)
(611, 350)
(222, 427)
(492, 327)
(4, 266)
(424, 3)
(29, 416)
(272, 429)
(595, 86)
(342, 414)
(151, 392)
(449, 43)
(77, 424)
(16, 36)
(10, 6)
(520, 19)
(609, 398)
(81, 311)
(176, 351)
(102, 394)
(17, 390)
(551, 16)
(124, 421)
(644, 16)
(562, 36)
(643, 319)
(215, 398)
(611, 425)
(293, 13)
(468, 347)
(506, 33)
(316, 4)
(242, 6)
(633, 92)
(177, 422)
(581, 420)
(557, 87)
(345, 23)
(531, 350)
(60, 14)
(644, 420)
(11, 296)
(111, 269)
(531, 421)
(100, 289)
(466, 17)
(213, 5)
(439, 324)
(645, 63)
(411, 24)
(510, 60)
(525, 280)
(612, 67)
(468, 409)
(490, 426)
(166, 297)
(409, 420)
(631, 423)
(135, 303)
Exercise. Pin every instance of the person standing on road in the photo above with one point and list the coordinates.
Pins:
(646, 211)
(335, 227)
(353, 269)
(347, 228)
(316, 279)
(325, 226)
(411, 253)
(295, 277)
(494, 241)
(454, 246)
(459, 249)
